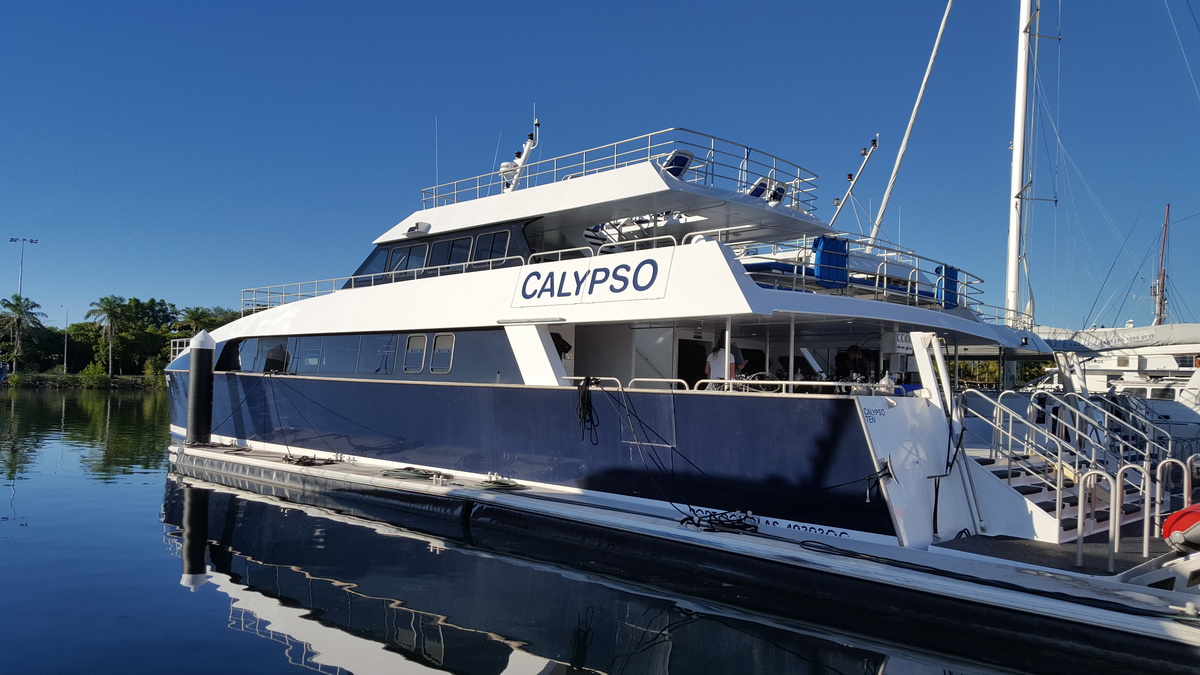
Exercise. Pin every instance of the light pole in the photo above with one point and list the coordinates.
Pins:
(66, 325)
(21, 269)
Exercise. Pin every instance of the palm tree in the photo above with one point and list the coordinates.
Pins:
(195, 319)
(107, 312)
(20, 314)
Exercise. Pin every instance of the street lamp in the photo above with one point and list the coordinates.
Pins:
(21, 269)
(66, 326)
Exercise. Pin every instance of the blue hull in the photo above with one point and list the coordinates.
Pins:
(796, 459)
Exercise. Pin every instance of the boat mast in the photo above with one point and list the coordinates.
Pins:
(887, 193)
(1159, 291)
(1012, 287)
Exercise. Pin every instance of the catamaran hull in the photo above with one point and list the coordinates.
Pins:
(799, 459)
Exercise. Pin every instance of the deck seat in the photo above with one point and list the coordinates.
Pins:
(677, 162)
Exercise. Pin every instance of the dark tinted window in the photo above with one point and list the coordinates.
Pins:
(374, 263)
(450, 252)
(247, 353)
(339, 354)
(414, 354)
(377, 355)
(272, 356)
(491, 245)
(306, 357)
(443, 353)
(408, 257)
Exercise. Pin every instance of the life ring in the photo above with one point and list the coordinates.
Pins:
(1181, 530)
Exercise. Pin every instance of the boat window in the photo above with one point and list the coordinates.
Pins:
(272, 355)
(231, 355)
(491, 245)
(1136, 393)
(443, 353)
(306, 357)
(408, 257)
(339, 354)
(377, 355)
(1122, 361)
(414, 354)
(450, 252)
(460, 250)
(1164, 393)
(375, 263)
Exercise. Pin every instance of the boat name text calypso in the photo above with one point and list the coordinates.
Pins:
(590, 280)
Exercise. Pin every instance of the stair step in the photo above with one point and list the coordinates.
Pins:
(985, 461)
(1028, 489)
(1009, 473)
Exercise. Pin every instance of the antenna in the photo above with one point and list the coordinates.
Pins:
(511, 171)
(853, 178)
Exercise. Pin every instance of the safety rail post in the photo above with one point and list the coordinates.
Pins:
(1117, 509)
(1110, 418)
(1113, 523)
(1084, 441)
(1159, 500)
(1037, 442)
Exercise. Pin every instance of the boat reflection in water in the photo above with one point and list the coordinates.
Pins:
(342, 590)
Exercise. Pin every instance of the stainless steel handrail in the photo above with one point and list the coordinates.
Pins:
(633, 384)
(716, 163)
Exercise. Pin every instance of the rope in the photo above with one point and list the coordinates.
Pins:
(586, 412)
(872, 480)
(726, 521)
(257, 384)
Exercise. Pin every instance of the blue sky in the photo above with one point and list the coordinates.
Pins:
(187, 150)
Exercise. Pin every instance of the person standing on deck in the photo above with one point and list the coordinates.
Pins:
(718, 363)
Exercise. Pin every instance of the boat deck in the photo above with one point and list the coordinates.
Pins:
(1064, 556)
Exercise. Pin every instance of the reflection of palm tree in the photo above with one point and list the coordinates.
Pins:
(20, 314)
(107, 313)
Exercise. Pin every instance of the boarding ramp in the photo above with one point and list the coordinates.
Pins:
(1084, 468)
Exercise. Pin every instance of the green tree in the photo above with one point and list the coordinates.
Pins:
(20, 317)
(192, 320)
(84, 341)
(108, 312)
(224, 315)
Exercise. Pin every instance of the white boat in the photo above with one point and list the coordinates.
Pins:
(533, 343)
(1150, 371)
(528, 353)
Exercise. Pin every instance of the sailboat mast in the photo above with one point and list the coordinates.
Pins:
(1012, 287)
(1160, 283)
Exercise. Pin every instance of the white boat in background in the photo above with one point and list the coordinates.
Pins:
(1152, 371)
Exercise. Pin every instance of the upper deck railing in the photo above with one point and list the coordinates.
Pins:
(871, 270)
(716, 163)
